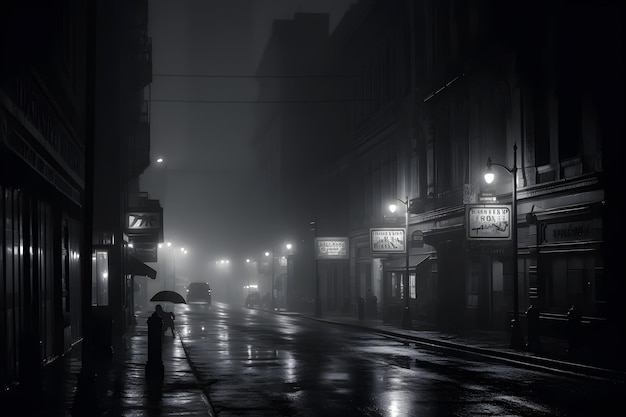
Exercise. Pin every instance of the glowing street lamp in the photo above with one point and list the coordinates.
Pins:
(406, 312)
(517, 337)
(173, 256)
(290, 251)
(271, 256)
(318, 301)
(250, 286)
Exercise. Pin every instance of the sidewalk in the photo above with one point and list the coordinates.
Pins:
(119, 386)
(553, 356)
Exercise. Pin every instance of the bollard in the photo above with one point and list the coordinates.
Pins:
(154, 366)
(534, 340)
(574, 319)
(361, 308)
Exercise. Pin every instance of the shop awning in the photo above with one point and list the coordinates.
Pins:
(443, 234)
(399, 262)
(136, 267)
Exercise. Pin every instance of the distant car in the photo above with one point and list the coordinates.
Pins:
(199, 292)
(253, 299)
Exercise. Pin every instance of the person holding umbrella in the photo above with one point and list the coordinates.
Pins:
(167, 317)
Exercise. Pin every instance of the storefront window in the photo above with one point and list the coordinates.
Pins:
(100, 278)
(395, 285)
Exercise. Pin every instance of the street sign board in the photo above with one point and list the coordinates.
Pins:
(417, 239)
(387, 240)
(488, 222)
(331, 248)
(143, 221)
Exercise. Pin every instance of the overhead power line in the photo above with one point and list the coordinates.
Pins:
(252, 76)
(254, 101)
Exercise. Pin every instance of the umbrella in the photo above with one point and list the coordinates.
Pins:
(171, 296)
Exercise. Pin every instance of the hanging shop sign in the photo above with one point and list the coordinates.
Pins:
(331, 248)
(387, 240)
(143, 221)
(417, 239)
(488, 222)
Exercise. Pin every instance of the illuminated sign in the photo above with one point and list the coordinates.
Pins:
(144, 221)
(331, 248)
(488, 222)
(387, 240)
(417, 239)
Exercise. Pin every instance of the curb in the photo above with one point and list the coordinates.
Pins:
(527, 361)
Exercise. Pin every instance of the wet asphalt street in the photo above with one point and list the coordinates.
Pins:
(255, 363)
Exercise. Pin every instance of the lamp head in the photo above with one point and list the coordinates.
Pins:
(393, 208)
(489, 175)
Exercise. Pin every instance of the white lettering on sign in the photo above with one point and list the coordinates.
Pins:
(489, 222)
(387, 240)
(568, 232)
(331, 248)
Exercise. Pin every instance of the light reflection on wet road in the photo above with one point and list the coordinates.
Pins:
(254, 363)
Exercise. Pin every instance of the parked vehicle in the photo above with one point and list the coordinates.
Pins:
(199, 292)
(253, 299)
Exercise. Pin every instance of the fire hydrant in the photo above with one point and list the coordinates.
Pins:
(154, 366)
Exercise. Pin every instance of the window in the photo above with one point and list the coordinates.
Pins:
(570, 279)
(100, 278)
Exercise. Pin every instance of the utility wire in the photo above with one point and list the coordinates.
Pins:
(251, 76)
(254, 101)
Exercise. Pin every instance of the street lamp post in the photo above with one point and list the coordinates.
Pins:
(406, 312)
(287, 283)
(517, 337)
(225, 273)
(318, 302)
(172, 254)
(272, 303)
(248, 261)
(184, 251)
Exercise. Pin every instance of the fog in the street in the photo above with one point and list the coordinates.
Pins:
(205, 109)
(219, 208)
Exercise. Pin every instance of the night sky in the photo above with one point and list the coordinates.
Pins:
(205, 55)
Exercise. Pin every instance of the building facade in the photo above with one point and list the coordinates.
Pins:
(436, 90)
(300, 135)
(59, 102)
(444, 86)
(42, 183)
(127, 224)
